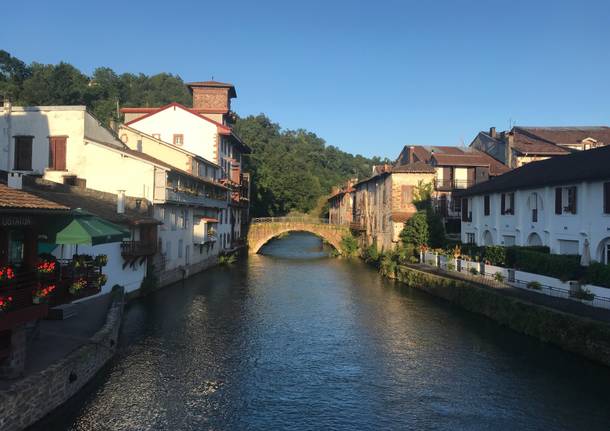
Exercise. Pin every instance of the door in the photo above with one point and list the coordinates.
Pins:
(57, 153)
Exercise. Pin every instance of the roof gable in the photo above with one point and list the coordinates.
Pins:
(222, 129)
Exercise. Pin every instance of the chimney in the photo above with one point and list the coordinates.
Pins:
(213, 99)
(411, 151)
(15, 180)
(120, 202)
(492, 132)
(509, 141)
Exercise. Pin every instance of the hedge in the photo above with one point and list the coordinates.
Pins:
(598, 274)
(560, 266)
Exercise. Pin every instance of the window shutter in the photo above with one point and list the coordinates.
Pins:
(503, 199)
(607, 198)
(407, 195)
(558, 203)
(465, 209)
(486, 202)
(512, 203)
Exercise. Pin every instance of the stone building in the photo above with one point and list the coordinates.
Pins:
(384, 202)
(341, 204)
(456, 168)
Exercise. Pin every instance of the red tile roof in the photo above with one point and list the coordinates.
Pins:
(567, 136)
(457, 156)
(18, 199)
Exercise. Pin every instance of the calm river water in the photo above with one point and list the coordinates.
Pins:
(293, 340)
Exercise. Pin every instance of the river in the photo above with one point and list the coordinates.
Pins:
(294, 340)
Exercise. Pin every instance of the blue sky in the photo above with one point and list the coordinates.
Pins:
(368, 77)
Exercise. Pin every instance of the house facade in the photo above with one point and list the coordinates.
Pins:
(456, 168)
(205, 130)
(341, 204)
(523, 145)
(77, 150)
(384, 202)
(562, 203)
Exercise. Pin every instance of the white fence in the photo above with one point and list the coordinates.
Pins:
(537, 283)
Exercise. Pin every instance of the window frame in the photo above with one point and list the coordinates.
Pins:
(20, 140)
(176, 137)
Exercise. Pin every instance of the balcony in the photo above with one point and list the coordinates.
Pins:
(134, 249)
(449, 185)
(178, 196)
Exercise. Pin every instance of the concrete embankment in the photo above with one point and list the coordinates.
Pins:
(29, 399)
(587, 337)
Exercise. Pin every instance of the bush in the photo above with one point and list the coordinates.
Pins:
(534, 285)
(450, 267)
(473, 271)
(436, 229)
(415, 232)
(371, 254)
(349, 245)
(499, 277)
(598, 274)
(413, 259)
(552, 265)
(387, 264)
(227, 259)
(496, 255)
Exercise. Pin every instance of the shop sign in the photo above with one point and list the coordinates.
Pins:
(14, 221)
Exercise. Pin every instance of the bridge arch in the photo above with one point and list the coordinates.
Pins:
(262, 230)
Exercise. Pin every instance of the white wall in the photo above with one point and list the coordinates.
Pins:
(40, 122)
(200, 135)
(589, 221)
(130, 278)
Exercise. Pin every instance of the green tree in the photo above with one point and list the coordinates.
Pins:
(415, 233)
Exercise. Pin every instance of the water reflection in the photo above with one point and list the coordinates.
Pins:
(313, 343)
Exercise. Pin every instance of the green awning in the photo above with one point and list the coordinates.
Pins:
(90, 230)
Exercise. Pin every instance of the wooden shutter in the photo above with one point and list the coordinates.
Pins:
(57, 153)
(486, 202)
(465, 209)
(503, 201)
(511, 197)
(607, 198)
(23, 153)
(558, 203)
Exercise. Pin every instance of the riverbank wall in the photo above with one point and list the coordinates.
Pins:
(585, 337)
(33, 397)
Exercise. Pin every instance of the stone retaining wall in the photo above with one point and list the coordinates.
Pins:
(586, 337)
(31, 398)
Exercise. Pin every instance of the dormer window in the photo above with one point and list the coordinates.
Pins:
(178, 139)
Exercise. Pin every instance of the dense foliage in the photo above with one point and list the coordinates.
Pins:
(294, 170)
(415, 232)
(102, 92)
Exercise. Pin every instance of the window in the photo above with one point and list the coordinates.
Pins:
(187, 254)
(406, 195)
(470, 238)
(174, 220)
(139, 145)
(23, 153)
(180, 242)
(168, 250)
(508, 240)
(606, 198)
(486, 205)
(508, 204)
(567, 195)
(568, 247)
(178, 140)
(466, 214)
(57, 153)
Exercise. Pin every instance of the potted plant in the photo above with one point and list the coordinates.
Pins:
(101, 260)
(77, 286)
(5, 303)
(100, 281)
(41, 294)
(7, 274)
(46, 267)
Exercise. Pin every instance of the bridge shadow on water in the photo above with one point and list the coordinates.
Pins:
(297, 245)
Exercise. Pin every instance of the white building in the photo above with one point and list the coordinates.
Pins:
(206, 131)
(67, 145)
(562, 203)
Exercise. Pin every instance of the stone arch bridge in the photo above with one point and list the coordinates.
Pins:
(261, 230)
